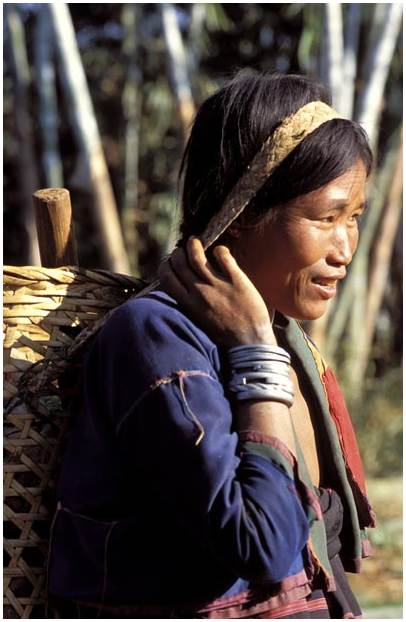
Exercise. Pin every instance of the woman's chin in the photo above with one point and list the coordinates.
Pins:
(306, 312)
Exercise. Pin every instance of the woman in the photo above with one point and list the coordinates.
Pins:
(213, 471)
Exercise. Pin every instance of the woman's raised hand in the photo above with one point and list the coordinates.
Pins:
(226, 305)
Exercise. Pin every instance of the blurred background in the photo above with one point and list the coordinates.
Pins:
(99, 99)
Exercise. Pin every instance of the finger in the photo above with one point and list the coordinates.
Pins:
(198, 260)
(227, 262)
(180, 265)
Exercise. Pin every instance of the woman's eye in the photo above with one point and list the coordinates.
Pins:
(355, 217)
(327, 219)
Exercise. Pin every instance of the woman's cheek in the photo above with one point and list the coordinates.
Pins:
(307, 246)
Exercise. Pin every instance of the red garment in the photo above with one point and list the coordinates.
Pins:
(348, 442)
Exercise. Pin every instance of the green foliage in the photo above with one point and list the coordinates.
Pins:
(293, 9)
(309, 41)
(216, 18)
(163, 210)
(159, 111)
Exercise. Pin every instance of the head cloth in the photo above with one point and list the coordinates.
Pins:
(276, 148)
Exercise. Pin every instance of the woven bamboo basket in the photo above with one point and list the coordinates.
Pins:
(46, 313)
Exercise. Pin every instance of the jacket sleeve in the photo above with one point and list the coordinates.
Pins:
(174, 423)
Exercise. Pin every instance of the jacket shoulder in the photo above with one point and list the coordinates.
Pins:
(154, 324)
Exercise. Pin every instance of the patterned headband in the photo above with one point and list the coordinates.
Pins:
(276, 148)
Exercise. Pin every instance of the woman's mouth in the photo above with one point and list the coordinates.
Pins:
(326, 288)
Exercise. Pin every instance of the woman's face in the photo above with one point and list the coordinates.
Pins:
(298, 258)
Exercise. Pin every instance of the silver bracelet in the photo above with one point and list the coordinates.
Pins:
(260, 372)
(272, 368)
(260, 355)
(259, 347)
(257, 377)
(276, 395)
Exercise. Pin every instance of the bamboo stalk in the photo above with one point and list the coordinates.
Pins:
(195, 35)
(351, 38)
(87, 133)
(28, 177)
(380, 262)
(374, 27)
(353, 343)
(56, 235)
(378, 63)
(48, 110)
(334, 50)
(178, 67)
(131, 102)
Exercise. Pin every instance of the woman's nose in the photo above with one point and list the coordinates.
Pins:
(342, 246)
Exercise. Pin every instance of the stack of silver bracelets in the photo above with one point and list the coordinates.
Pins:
(260, 372)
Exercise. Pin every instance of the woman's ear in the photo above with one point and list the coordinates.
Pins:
(230, 238)
(234, 231)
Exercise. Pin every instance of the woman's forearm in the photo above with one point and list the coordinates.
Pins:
(271, 418)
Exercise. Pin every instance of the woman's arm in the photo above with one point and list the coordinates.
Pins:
(264, 417)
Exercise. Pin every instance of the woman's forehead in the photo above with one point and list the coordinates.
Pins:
(345, 189)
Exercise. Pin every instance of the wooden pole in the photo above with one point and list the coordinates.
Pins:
(56, 237)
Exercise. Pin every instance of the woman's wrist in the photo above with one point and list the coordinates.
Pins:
(267, 337)
(261, 336)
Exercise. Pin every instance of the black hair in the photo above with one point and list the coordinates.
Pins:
(231, 126)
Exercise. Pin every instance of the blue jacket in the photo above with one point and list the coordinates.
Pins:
(160, 501)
